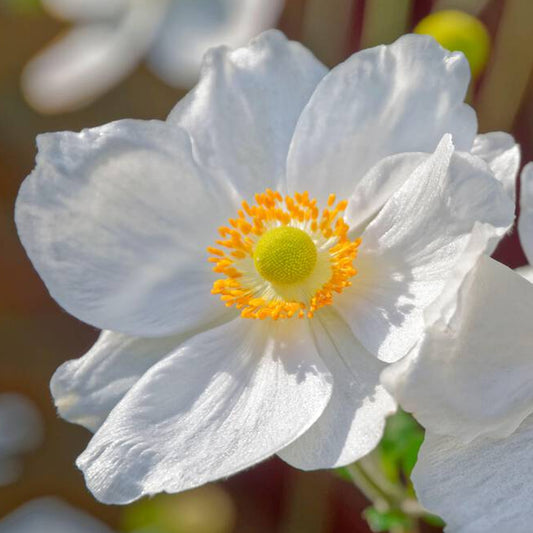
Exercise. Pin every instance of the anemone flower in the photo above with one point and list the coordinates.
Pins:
(111, 37)
(468, 383)
(259, 257)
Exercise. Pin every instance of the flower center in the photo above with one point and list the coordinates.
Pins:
(285, 255)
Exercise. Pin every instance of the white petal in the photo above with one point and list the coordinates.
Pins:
(50, 515)
(89, 60)
(526, 272)
(443, 309)
(480, 487)
(116, 220)
(502, 154)
(378, 185)
(525, 221)
(85, 390)
(227, 399)
(471, 375)
(409, 250)
(352, 424)
(191, 27)
(382, 101)
(243, 111)
(85, 10)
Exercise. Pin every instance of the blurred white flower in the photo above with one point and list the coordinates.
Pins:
(50, 515)
(525, 221)
(469, 384)
(333, 207)
(111, 37)
(20, 432)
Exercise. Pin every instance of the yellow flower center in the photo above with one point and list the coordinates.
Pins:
(283, 257)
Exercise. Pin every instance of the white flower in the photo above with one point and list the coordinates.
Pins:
(358, 163)
(111, 37)
(50, 515)
(20, 432)
(469, 384)
(525, 221)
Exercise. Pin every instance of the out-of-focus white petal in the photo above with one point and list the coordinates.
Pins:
(10, 470)
(525, 221)
(85, 390)
(409, 250)
(226, 399)
(20, 424)
(89, 60)
(471, 376)
(116, 220)
(382, 101)
(243, 111)
(481, 487)
(191, 27)
(50, 515)
(21, 430)
(352, 424)
(502, 155)
(77, 10)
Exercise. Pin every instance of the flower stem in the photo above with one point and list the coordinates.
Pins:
(363, 481)
(384, 495)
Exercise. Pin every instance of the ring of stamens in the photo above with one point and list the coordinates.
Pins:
(244, 287)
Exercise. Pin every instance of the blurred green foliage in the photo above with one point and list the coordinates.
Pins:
(392, 520)
(207, 509)
(22, 7)
(399, 447)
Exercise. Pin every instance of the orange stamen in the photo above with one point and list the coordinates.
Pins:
(272, 210)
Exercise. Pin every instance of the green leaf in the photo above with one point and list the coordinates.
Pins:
(399, 447)
(343, 473)
(433, 520)
(387, 520)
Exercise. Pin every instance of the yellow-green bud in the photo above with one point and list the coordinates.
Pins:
(459, 31)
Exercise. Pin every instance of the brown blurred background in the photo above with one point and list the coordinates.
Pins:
(37, 335)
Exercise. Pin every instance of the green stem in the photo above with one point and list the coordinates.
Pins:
(364, 482)
(385, 496)
(372, 466)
